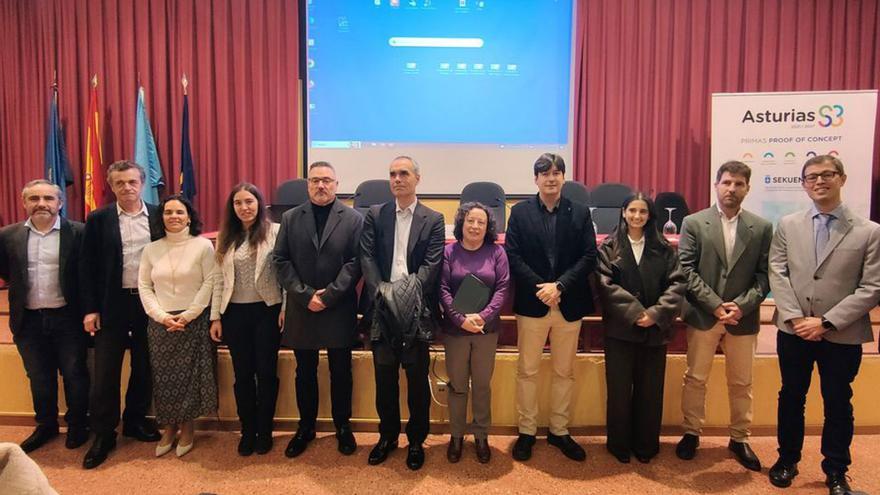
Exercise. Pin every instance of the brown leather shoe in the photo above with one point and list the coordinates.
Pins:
(453, 452)
(483, 451)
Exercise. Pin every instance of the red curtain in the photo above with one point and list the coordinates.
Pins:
(241, 59)
(646, 70)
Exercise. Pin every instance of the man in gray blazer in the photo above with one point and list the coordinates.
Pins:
(723, 251)
(825, 277)
(316, 255)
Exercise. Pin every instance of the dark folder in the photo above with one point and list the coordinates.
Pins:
(472, 295)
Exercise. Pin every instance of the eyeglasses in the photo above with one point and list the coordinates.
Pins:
(321, 180)
(826, 176)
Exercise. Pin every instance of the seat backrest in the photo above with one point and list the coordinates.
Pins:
(576, 192)
(372, 192)
(289, 194)
(605, 219)
(490, 194)
(610, 195)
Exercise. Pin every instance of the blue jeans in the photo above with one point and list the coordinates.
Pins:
(52, 341)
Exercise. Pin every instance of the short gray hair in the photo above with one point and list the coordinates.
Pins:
(322, 164)
(122, 166)
(38, 182)
(412, 160)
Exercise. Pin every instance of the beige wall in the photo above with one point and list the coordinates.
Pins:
(589, 398)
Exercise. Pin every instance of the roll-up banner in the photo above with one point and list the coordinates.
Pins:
(775, 133)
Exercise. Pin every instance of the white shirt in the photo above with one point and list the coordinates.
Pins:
(638, 247)
(728, 230)
(175, 275)
(134, 229)
(402, 226)
(43, 263)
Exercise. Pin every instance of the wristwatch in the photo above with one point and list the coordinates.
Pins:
(827, 325)
(560, 287)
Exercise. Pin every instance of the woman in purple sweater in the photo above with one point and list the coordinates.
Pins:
(471, 339)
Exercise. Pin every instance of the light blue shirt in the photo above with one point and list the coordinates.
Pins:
(43, 265)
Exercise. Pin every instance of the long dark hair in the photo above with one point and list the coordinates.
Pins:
(195, 225)
(653, 241)
(232, 232)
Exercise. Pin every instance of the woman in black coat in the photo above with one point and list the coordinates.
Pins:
(641, 287)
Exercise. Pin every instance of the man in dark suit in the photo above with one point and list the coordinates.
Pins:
(115, 236)
(825, 278)
(723, 251)
(38, 258)
(400, 238)
(551, 246)
(316, 256)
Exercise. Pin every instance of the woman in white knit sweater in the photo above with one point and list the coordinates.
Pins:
(175, 284)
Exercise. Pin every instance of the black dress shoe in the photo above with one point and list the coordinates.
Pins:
(782, 474)
(99, 450)
(246, 444)
(644, 459)
(263, 443)
(299, 442)
(568, 446)
(837, 484)
(415, 457)
(345, 442)
(484, 453)
(522, 449)
(745, 455)
(143, 431)
(621, 457)
(381, 450)
(687, 447)
(76, 437)
(39, 437)
(453, 452)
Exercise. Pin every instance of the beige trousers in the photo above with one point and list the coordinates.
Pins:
(531, 336)
(739, 355)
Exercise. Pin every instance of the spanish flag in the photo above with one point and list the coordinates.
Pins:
(94, 183)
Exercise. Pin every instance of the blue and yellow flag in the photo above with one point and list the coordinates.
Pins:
(57, 167)
(145, 153)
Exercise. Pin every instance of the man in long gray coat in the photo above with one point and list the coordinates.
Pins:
(316, 255)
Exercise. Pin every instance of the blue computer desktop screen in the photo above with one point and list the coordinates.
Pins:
(435, 71)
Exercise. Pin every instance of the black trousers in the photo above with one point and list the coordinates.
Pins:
(387, 368)
(110, 346)
(52, 341)
(634, 374)
(339, 361)
(251, 332)
(838, 366)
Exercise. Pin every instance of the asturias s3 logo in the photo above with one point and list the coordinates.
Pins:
(830, 115)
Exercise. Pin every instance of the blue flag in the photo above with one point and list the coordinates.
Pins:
(145, 153)
(187, 169)
(57, 167)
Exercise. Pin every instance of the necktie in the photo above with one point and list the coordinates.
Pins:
(822, 235)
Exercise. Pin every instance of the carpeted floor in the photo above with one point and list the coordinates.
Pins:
(214, 467)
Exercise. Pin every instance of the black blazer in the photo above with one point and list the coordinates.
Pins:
(655, 286)
(424, 257)
(306, 264)
(14, 261)
(101, 262)
(529, 265)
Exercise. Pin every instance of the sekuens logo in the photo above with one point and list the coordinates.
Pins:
(825, 116)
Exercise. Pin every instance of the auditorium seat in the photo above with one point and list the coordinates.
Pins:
(372, 192)
(289, 194)
(576, 192)
(605, 201)
(491, 195)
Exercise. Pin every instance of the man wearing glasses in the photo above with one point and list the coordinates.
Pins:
(825, 278)
(316, 255)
